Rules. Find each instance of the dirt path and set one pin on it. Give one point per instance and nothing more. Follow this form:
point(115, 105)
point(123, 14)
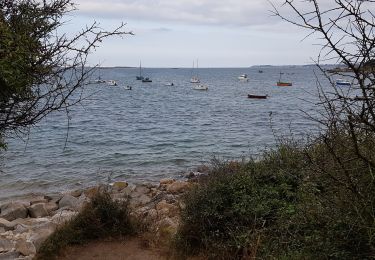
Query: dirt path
point(130, 249)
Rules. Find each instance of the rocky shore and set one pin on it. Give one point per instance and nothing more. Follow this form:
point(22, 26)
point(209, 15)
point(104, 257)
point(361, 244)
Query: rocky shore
point(25, 224)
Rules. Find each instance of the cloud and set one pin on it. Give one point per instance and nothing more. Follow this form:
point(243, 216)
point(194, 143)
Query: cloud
point(190, 12)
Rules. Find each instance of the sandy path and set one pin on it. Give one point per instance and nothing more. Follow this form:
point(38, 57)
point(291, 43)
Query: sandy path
point(131, 249)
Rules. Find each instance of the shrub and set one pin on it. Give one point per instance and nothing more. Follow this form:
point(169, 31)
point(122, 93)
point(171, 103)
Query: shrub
point(229, 214)
point(101, 218)
point(298, 202)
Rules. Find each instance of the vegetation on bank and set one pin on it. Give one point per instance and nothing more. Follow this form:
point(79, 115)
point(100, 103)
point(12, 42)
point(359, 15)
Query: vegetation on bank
point(101, 218)
point(312, 201)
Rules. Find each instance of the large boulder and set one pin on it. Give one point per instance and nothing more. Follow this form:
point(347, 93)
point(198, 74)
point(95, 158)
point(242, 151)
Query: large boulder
point(13, 210)
point(38, 210)
point(178, 187)
point(51, 206)
point(9, 255)
point(25, 247)
point(68, 201)
point(6, 245)
point(6, 224)
point(119, 185)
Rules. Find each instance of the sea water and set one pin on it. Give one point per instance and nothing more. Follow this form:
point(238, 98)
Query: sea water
point(155, 131)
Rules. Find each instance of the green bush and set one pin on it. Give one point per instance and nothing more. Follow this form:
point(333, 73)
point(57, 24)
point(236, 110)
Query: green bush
point(229, 213)
point(314, 201)
point(101, 218)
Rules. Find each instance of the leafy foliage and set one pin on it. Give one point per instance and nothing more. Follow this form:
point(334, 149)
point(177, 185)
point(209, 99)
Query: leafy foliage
point(40, 67)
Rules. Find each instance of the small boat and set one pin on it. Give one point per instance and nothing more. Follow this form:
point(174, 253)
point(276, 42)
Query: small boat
point(343, 82)
point(169, 84)
point(243, 77)
point(97, 81)
point(200, 87)
point(140, 77)
point(260, 71)
point(195, 78)
point(282, 83)
point(128, 87)
point(146, 79)
point(111, 82)
point(257, 96)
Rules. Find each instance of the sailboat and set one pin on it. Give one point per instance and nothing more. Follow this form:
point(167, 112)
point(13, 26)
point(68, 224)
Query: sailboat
point(195, 78)
point(140, 77)
point(283, 84)
point(99, 80)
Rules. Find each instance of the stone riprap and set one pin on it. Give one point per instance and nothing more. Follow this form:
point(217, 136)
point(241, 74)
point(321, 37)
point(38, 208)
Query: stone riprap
point(25, 224)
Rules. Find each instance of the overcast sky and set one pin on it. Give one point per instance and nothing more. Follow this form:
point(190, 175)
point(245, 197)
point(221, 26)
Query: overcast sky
point(173, 33)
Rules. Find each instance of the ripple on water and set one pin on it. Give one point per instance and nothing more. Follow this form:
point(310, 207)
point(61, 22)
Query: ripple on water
point(156, 131)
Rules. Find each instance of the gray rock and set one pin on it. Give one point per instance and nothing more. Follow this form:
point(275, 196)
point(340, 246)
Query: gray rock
point(38, 238)
point(51, 206)
point(56, 197)
point(38, 210)
point(68, 201)
point(25, 247)
point(63, 216)
point(141, 189)
point(37, 199)
point(13, 210)
point(9, 255)
point(76, 193)
point(6, 224)
point(6, 245)
point(178, 187)
point(141, 200)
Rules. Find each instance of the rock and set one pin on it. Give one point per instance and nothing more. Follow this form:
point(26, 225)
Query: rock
point(6, 224)
point(119, 185)
point(138, 201)
point(2, 230)
point(141, 189)
point(166, 181)
point(25, 247)
point(38, 210)
point(9, 255)
point(56, 197)
point(178, 187)
point(68, 201)
point(13, 210)
point(91, 192)
point(51, 206)
point(38, 238)
point(37, 199)
point(76, 193)
point(6, 245)
point(63, 216)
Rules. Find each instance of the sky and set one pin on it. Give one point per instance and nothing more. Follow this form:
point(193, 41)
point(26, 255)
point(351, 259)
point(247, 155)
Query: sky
point(174, 33)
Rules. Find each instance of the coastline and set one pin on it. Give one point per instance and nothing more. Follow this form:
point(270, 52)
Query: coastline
point(25, 223)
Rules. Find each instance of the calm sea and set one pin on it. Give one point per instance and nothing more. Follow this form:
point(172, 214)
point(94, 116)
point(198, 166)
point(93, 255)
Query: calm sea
point(156, 131)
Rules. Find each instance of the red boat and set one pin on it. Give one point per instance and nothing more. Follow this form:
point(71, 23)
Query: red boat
point(284, 84)
point(257, 96)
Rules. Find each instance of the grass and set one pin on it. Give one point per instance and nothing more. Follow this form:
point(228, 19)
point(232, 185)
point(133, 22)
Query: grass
point(101, 218)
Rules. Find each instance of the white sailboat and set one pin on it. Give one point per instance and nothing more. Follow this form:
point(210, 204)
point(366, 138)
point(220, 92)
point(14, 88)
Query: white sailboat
point(195, 78)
